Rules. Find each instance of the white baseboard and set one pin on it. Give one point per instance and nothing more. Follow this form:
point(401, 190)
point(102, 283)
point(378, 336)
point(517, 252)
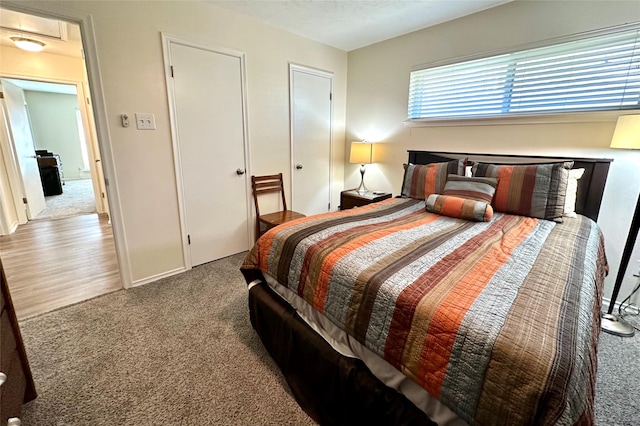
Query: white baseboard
point(606, 302)
point(9, 229)
point(153, 278)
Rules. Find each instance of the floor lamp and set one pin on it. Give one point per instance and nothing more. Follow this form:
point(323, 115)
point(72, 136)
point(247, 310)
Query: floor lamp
point(626, 136)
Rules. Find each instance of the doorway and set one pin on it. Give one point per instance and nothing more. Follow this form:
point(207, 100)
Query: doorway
point(56, 136)
point(311, 130)
point(66, 147)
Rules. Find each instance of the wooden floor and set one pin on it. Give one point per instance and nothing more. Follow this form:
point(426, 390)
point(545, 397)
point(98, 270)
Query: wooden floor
point(54, 263)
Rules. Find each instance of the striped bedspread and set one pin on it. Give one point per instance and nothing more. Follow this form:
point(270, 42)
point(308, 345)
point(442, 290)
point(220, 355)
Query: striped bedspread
point(499, 320)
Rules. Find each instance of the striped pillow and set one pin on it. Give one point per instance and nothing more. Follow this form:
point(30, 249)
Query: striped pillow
point(420, 180)
point(534, 190)
point(472, 188)
point(461, 208)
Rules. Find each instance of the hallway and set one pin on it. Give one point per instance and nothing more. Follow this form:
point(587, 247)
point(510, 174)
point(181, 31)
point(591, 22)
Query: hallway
point(54, 263)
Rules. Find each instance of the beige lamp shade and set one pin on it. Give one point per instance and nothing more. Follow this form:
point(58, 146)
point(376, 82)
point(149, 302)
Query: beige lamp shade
point(627, 133)
point(361, 153)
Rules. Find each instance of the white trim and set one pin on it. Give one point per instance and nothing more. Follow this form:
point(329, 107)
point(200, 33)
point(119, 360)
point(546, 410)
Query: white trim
point(153, 278)
point(167, 39)
point(93, 157)
point(85, 21)
point(177, 161)
point(606, 302)
point(514, 120)
point(319, 73)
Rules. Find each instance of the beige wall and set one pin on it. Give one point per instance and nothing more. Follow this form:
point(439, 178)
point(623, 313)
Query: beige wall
point(17, 63)
point(377, 104)
point(131, 65)
point(55, 128)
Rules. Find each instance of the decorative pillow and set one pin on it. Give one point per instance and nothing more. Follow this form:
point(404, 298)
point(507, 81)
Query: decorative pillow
point(473, 188)
point(534, 190)
point(461, 208)
point(572, 192)
point(421, 180)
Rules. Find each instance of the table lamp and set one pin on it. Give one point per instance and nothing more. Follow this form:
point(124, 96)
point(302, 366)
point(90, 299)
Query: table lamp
point(626, 136)
point(361, 153)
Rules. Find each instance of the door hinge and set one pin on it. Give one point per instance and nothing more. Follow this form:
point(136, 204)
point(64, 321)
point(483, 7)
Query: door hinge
point(102, 194)
point(330, 96)
point(189, 239)
point(329, 206)
point(88, 101)
point(24, 200)
point(171, 70)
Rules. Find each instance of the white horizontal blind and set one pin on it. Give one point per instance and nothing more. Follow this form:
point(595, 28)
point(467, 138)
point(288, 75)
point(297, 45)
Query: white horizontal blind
point(598, 73)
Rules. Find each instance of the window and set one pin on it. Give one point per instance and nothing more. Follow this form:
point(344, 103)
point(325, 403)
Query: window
point(592, 74)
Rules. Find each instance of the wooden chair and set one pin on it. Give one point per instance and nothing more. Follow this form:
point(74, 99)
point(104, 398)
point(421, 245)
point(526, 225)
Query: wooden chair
point(270, 184)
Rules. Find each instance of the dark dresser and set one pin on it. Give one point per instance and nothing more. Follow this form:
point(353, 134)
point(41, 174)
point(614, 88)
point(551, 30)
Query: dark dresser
point(49, 167)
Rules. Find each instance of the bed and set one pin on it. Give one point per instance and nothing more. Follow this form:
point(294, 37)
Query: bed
point(442, 306)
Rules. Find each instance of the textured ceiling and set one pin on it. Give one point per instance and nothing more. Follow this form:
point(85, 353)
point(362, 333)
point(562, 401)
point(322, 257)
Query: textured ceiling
point(351, 24)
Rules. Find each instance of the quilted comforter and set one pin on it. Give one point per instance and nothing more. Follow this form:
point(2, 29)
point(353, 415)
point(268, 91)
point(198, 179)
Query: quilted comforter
point(499, 320)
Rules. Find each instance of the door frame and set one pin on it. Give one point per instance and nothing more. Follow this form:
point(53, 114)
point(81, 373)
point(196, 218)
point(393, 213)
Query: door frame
point(318, 73)
point(87, 33)
point(11, 188)
point(167, 39)
point(94, 159)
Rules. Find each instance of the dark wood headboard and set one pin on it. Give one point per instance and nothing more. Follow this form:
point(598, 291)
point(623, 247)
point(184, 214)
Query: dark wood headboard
point(590, 186)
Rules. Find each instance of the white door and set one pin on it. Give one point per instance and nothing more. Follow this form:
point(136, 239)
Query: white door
point(18, 119)
point(210, 131)
point(311, 129)
point(88, 131)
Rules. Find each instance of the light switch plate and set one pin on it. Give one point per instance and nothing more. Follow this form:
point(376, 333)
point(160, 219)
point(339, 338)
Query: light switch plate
point(145, 121)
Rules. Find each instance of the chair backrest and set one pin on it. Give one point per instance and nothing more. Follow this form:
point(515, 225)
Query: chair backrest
point(265, 184)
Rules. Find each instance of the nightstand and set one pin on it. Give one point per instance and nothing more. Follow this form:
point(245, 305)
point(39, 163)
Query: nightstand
point(350, 198)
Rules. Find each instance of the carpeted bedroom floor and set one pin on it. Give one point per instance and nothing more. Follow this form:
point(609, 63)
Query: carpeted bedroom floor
point(77, 198)
point(181, 351)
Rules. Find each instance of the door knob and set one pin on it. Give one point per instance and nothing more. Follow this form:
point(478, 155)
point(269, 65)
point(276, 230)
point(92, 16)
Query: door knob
point(3, 378)
point(14, 421)
point(240, 172)
point(299, 166)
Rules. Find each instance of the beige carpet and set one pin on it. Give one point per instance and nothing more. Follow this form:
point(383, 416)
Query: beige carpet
point(180, 351)
point(77, 198)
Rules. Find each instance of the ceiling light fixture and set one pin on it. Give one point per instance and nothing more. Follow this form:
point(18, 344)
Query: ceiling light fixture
point(28, 44)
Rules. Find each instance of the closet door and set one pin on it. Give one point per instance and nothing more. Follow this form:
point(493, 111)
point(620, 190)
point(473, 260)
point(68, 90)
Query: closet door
point(311, 129)
point(209, 125)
